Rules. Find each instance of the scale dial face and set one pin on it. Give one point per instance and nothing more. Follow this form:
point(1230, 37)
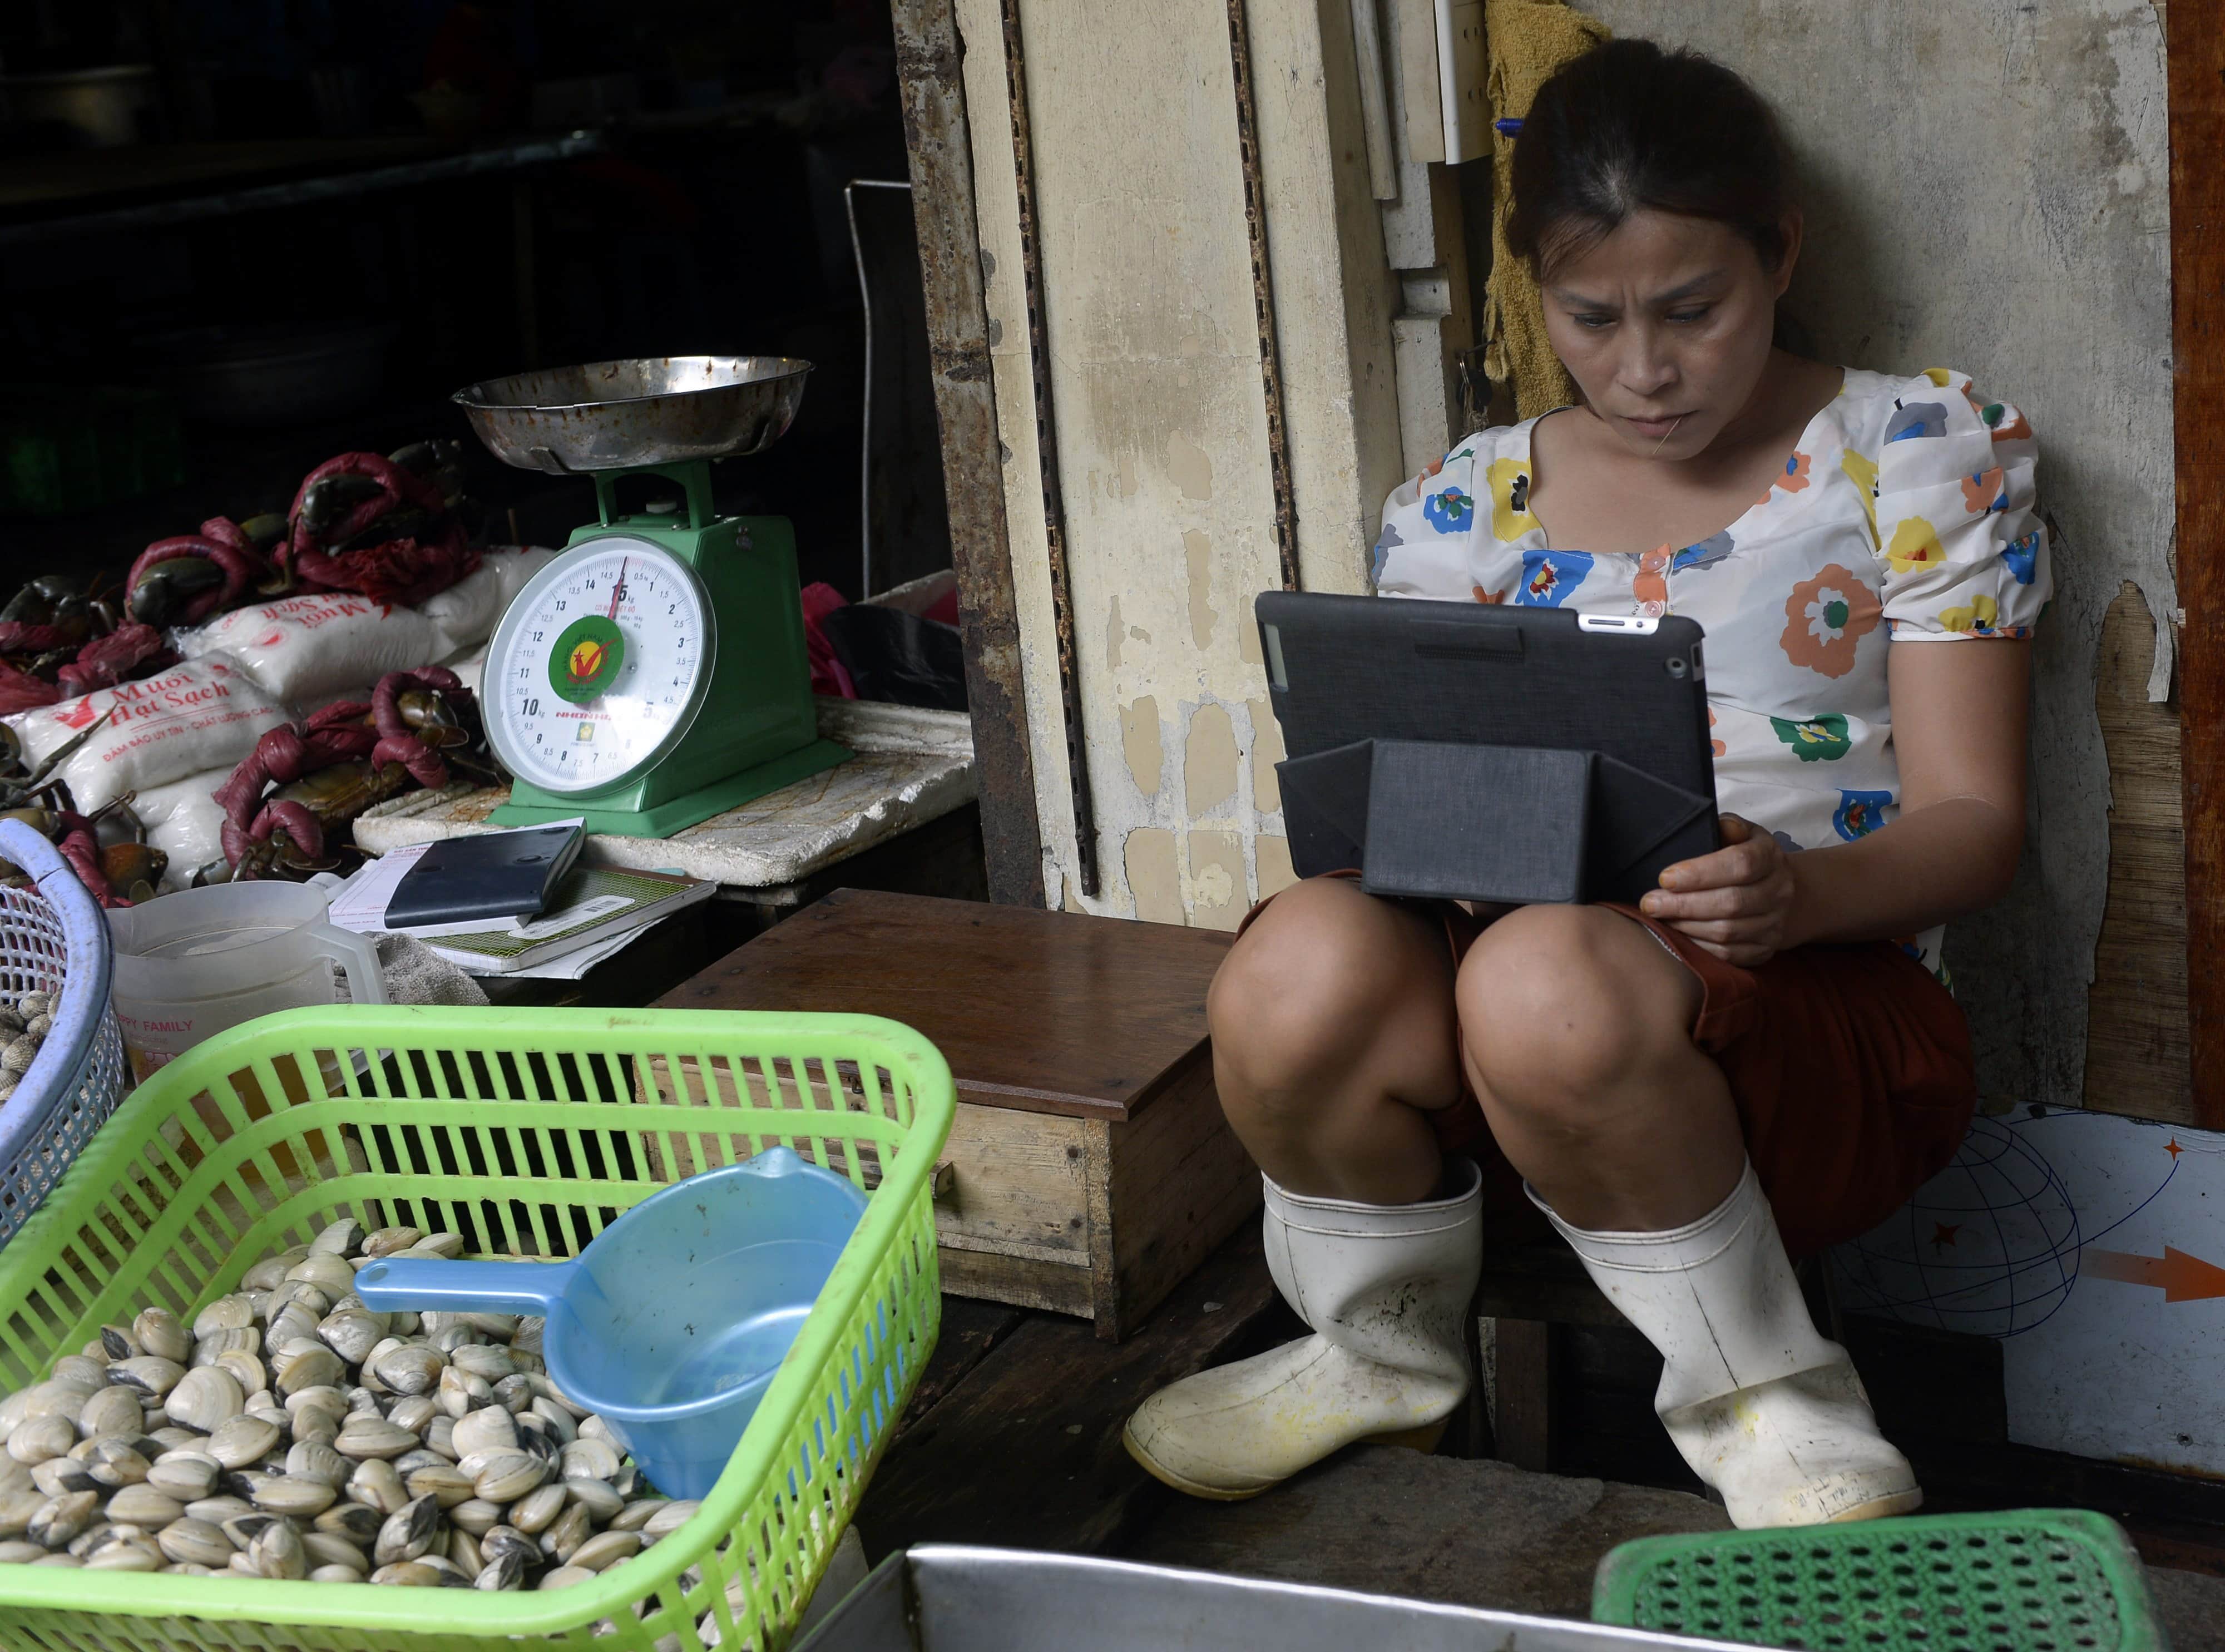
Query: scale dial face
point(599, 666)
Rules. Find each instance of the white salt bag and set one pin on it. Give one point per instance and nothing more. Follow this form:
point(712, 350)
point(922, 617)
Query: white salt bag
point(206, 713)
point(183, 821)
point(305, 651)
point(470, 669)
point(465, 614)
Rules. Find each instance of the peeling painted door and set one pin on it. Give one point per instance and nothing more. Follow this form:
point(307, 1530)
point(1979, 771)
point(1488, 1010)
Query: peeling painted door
point(1213, 350)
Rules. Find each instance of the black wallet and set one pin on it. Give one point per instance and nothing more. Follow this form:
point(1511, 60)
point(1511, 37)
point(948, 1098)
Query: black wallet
point(493, 875)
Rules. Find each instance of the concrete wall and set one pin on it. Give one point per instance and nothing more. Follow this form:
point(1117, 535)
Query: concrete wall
point(1987, 189)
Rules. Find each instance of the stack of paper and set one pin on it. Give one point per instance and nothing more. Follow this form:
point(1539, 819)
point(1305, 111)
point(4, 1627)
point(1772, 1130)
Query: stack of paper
point(595, 912)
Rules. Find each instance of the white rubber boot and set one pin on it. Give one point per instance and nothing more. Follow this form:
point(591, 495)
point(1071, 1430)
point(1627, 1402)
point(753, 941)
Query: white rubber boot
point(1385, 1288)
point(1765, 1411)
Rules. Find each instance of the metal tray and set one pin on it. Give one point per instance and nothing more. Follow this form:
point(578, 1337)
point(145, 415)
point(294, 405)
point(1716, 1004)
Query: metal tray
point(609, 415)
point(940, 1598)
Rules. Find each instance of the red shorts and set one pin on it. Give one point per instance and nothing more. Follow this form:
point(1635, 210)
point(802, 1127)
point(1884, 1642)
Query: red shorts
point(1849, 1065)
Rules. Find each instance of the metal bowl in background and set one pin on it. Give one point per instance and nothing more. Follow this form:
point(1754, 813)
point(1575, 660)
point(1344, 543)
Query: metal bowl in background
point(274, 373)
point(610, 415)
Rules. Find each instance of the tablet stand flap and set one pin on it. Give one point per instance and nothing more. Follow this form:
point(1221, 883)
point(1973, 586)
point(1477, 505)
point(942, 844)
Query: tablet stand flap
point(1635, 818)
point(1325, 807)
point(1476, 822)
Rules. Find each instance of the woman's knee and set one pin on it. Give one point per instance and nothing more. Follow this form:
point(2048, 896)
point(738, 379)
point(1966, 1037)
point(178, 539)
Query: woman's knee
point(1308, 987)
point(1560, 1005)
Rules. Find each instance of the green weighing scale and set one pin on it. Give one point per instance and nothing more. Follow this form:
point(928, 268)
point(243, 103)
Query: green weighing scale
point(654, 674)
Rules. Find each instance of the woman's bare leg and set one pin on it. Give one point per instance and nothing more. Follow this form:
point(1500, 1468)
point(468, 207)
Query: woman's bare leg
point(1333, 1038)
point(1576, 1030)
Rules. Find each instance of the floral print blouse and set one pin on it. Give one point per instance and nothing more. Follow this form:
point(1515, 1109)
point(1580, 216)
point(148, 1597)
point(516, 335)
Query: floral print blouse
point(1904, 515)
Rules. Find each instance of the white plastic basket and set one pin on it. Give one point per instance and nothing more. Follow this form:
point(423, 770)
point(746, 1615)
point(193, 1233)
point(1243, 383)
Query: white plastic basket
point(53, 937)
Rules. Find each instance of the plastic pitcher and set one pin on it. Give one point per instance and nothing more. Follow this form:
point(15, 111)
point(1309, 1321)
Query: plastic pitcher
point(673, 1323)
point(194, 963)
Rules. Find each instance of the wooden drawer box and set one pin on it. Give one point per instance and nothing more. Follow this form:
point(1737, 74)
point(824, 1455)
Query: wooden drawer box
point(1090, 1169)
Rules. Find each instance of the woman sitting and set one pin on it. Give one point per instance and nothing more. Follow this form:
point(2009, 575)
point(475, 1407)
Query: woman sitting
point(1762, 1055)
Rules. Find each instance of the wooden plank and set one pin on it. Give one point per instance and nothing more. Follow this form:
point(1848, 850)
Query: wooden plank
point(2182, 1546)
point(935, 136)
point(1093, 1017)
point(2137, 1060)
point(1374, 99)
point(1025, 1451)
point(1015, 1185)
point(1053, 1287)
point(1540, 1280)
point(971, 1331)
point(1103, 1270)
point(2196, 57)
point(1180, 1182)
point(1523, 1426)
point(1414, 26)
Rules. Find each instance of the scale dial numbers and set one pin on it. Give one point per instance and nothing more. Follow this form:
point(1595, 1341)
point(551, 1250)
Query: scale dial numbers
point(599, 666)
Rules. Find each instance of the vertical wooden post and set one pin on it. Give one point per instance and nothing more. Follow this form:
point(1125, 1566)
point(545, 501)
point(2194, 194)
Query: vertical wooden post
point(1527, 1355)
point(2196, 47)
point(933, 93)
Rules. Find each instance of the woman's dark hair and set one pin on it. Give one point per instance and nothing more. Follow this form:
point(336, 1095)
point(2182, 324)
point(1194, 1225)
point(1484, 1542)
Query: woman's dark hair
point(1628, 127)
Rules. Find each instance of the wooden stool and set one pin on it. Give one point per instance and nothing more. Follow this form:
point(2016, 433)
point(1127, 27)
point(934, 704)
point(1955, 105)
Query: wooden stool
point(1090, 1169)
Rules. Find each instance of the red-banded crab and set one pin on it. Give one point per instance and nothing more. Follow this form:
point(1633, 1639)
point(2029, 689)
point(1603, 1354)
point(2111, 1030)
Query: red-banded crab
point(59, 640)
point(108, 847)
point(397, 528)
point(288, 806)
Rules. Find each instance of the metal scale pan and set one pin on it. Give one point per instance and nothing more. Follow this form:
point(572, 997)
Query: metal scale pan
point(617, 416)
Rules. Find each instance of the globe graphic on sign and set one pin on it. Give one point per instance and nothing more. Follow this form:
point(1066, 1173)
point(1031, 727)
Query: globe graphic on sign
point(1989, 1245)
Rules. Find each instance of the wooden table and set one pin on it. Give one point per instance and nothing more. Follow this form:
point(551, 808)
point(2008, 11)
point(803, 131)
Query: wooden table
point(1090, 1168)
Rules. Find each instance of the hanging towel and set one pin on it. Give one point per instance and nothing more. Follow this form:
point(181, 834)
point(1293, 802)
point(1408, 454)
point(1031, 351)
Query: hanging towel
point(1524, 43)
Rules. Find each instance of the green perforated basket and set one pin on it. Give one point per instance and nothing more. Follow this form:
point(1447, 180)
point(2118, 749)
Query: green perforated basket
point(529, 1132)
point(2028, 1580)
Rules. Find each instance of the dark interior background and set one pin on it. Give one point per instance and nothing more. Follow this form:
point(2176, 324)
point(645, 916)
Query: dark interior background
point(711, 220)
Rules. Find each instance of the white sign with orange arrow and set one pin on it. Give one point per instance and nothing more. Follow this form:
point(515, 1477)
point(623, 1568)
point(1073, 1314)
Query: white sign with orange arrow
point(2180, 1277)
point(2093, 1246)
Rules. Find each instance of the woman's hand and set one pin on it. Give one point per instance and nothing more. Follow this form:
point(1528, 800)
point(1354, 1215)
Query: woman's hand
point(1737, 902)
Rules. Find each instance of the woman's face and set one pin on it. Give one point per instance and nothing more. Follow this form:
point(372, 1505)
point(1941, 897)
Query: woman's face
point(1665, 326)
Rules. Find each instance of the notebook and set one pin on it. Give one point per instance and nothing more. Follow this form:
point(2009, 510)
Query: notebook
point(592, 905)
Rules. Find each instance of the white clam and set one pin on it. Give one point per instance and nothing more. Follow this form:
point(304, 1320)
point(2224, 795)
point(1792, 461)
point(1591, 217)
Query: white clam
point(205, 1399)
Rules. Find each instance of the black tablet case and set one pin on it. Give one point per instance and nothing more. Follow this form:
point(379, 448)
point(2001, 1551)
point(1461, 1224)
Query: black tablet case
point(1486, 753)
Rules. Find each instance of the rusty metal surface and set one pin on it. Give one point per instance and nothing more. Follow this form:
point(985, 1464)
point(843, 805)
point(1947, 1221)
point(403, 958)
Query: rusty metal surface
point(657, 410)
point(1262, 294)
point(1061, 594)
point(934, 96)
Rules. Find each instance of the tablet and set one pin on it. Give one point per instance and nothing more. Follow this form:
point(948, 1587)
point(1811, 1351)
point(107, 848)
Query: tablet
point(1488, 753)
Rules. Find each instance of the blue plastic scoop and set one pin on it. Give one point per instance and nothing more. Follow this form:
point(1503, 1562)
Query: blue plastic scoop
point(673, 1322)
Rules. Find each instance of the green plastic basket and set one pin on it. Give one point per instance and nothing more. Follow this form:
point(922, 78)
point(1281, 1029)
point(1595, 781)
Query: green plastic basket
point(527, 1131)
point(2025, 1580)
